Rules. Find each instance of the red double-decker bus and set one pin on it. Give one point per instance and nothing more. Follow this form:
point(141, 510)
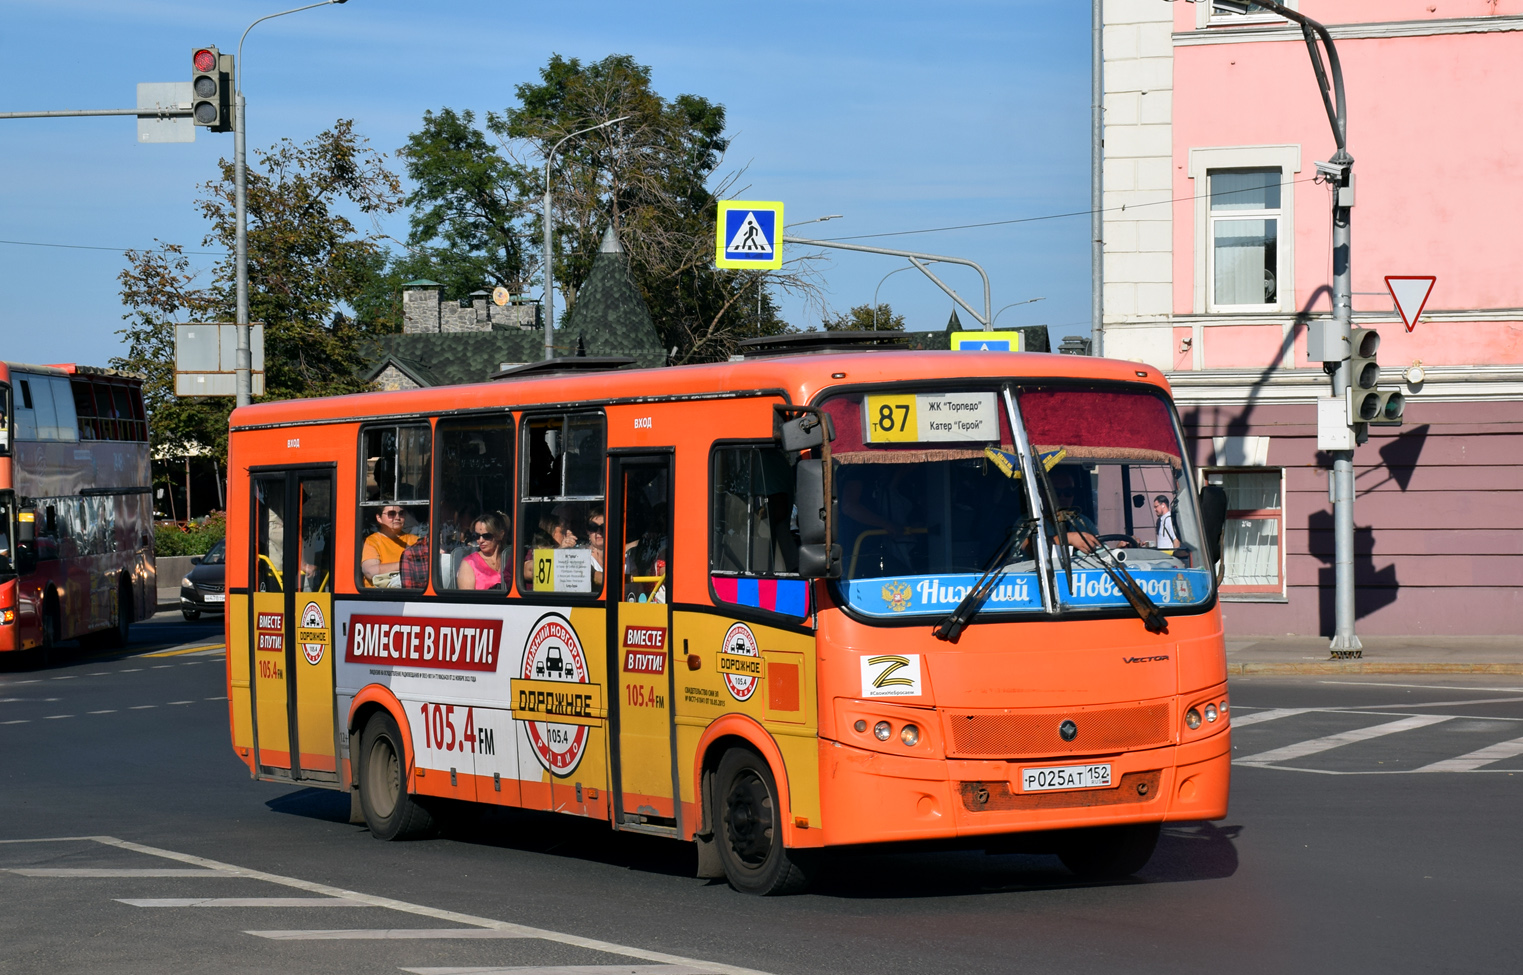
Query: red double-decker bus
point(76, 515)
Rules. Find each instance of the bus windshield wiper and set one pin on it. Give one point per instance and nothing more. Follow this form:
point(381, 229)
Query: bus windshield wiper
point(951, 627)
point(1152, 617)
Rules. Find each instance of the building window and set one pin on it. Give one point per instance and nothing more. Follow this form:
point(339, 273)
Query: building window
point(1245, 235)
point(1255, 531)
point(1220, 13)
point(753, 551)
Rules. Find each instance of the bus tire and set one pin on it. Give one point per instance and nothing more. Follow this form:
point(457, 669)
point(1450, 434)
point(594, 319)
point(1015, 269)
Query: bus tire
point(749, 831)
point(120, 634)
point(1109, 852)
point(390, 811)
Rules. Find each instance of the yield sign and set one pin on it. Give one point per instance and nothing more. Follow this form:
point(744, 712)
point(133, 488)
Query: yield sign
point(1411, 295)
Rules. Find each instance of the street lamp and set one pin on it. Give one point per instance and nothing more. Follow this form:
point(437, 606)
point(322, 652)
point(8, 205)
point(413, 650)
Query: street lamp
point(908, 267)
point(833, 216)
point(1014, 303)
point(242, 378)
point(549, 235)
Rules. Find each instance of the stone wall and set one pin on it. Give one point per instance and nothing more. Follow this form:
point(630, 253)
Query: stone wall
point(424, 311)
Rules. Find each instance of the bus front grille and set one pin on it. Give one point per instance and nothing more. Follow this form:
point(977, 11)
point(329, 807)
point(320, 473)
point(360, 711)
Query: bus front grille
point(1022, 734)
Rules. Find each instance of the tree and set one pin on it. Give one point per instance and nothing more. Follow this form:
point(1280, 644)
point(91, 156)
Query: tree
point(652, 176)
point(307, 264)
point(862, 318)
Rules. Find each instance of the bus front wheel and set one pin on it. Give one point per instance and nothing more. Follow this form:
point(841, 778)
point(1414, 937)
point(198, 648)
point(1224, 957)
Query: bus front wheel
point(390, 812)
point(749, 829)
point(1109, 852)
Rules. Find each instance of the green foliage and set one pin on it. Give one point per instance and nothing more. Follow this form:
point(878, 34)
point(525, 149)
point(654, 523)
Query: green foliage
point(196, 538)
point(653, 176)
point(863, 318)
point(306, 262)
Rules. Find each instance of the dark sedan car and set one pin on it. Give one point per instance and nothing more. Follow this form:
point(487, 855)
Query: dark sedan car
point(201, 591)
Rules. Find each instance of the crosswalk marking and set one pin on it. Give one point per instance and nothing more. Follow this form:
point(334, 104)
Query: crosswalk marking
point(119, 872)
point(1257, 717)
point(1477, 758)
point(390, 934)
point(1315, 745)
point(241, 902)
point(566, 970)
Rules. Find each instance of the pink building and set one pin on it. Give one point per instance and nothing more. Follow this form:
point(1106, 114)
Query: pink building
point(1222, 256)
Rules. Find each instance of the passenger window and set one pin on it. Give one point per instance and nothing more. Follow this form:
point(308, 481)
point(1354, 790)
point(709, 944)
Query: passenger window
point(563, 512)
point(393, 511)
point(753, 552)
point(474, 503)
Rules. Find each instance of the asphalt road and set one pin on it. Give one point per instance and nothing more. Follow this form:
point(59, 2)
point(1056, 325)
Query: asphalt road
point(1341, 853)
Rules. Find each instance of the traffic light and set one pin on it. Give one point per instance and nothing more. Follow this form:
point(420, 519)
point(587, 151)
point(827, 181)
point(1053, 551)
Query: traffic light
point(1371, 404)
point(211, 83)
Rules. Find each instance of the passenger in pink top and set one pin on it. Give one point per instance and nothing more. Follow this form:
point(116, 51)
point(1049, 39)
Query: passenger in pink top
point(482, 569)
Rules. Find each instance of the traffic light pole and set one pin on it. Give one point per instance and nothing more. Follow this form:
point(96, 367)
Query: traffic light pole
point(1339, 171)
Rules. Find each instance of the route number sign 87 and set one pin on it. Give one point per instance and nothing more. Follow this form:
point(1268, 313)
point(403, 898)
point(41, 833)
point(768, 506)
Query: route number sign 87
point(891, 418)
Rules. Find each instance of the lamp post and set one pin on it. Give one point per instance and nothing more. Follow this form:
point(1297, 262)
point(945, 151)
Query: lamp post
point(243, 379)
point(550, 231)
point(907, 267)
point(1014, 303)
point(1339, 171)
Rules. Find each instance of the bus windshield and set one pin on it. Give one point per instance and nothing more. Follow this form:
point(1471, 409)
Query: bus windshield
point(930, 490)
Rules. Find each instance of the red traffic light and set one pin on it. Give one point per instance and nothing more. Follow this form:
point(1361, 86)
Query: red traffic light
point(205, 60)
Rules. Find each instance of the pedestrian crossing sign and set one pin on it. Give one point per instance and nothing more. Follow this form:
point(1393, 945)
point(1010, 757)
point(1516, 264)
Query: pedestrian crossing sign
point(748, 234)
point(979, 341)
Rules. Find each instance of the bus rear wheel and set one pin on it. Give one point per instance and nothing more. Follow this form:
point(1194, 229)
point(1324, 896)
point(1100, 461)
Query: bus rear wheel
point(1109, 852)
point(390, 812)
point(749, 829)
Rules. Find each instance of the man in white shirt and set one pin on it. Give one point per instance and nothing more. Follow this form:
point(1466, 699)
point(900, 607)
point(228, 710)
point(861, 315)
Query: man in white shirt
point(1168, 537)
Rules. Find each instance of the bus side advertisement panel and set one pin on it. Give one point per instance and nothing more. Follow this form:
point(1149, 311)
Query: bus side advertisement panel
point(512, 698)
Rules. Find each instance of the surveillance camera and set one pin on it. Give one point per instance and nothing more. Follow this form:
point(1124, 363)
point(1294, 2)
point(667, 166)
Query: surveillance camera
point(1330, 170)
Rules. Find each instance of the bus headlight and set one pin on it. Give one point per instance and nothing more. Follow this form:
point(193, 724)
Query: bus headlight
point(1210, 712)
point(882, 730)
point(1192, 719)
point(910, 735)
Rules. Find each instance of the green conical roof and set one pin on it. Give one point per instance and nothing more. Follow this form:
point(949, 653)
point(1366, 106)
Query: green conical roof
point(610, 317)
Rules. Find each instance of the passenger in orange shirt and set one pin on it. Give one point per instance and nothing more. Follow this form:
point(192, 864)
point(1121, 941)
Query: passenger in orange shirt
point(381, 556)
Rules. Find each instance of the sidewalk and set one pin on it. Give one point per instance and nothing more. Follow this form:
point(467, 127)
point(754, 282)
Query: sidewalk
point(1382, 655)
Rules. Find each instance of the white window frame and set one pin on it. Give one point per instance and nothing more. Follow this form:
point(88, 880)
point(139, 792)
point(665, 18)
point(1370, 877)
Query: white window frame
point(1241, 593)
point(1206, 15)
point(1287, 159)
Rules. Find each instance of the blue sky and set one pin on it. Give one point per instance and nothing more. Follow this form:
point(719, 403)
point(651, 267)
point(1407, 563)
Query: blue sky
point(899, 115)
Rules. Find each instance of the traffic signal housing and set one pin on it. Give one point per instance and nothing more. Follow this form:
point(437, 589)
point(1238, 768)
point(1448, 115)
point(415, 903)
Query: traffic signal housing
point(211, 84)
point(1382, 407)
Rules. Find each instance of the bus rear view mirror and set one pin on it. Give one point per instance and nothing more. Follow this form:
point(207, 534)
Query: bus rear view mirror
point(26, 527)
point(1213, 518)
point(803, 432)
point(819, 558)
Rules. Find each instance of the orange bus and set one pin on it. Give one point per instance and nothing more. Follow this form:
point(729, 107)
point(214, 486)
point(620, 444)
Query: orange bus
point(620, 593)
point(76, 518)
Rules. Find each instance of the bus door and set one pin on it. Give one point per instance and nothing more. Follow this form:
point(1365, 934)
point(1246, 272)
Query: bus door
point(639, 645)
point(292, 645)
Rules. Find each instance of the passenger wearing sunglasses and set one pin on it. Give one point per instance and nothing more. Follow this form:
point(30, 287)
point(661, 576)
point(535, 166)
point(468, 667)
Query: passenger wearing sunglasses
point(482, 569)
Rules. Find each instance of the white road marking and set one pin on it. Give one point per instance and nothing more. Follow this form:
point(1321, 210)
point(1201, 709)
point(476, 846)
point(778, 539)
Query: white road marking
point(65, 677)
point(18, 721)
point(100, 673)
point(1243, 720)
point(55, 717)
point(142, 707)
point(1311, 747)
point(119, 872)
point(162, 666)
point(217, 868)
point(107, 711)
point(240, 902)
point(219, 697)
point(131, 670)
point(1477, 758)
point(391, 934)
point(1426, 687)
point(566, 970)
point(1435, 704)
point(182, 702)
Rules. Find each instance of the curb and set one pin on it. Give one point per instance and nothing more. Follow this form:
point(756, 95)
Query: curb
point(1370, 667)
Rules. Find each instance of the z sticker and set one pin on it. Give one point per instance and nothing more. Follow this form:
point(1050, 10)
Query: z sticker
point(891, 675)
